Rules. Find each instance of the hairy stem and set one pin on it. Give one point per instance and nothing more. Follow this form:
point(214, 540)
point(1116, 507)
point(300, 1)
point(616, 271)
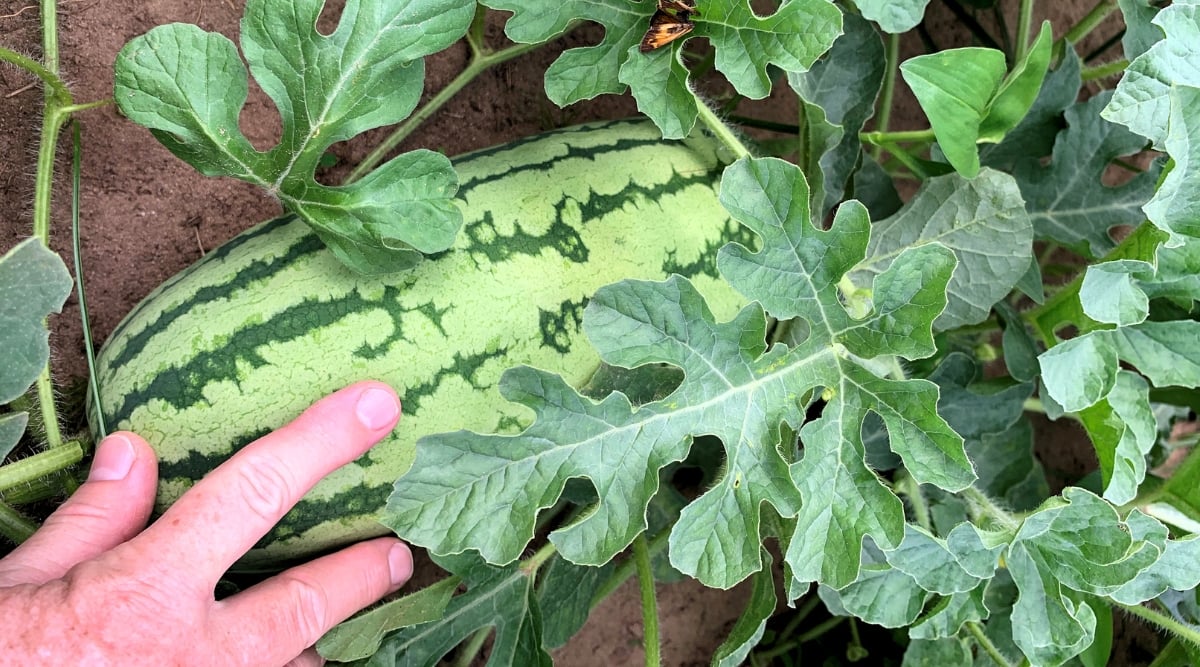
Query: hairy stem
point(39, 465)
point(986, 644)
point(891, 65)
point(641, 556)
point(1104, 71)
point(1166, 622)
point(14, 526)
point(721, 130)
point(880, 138)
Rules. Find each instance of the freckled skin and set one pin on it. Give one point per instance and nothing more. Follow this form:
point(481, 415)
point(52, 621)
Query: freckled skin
point(93, 588)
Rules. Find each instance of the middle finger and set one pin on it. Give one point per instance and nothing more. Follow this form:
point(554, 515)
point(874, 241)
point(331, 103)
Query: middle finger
point(224, 514)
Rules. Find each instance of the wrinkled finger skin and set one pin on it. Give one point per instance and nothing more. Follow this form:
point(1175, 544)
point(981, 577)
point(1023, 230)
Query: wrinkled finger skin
point(92, 588)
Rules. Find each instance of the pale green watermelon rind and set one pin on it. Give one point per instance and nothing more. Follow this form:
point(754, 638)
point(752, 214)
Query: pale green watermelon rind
point(197, 368)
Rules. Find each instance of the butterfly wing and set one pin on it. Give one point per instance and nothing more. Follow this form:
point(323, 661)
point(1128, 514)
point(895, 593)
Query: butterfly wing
point(664, 29)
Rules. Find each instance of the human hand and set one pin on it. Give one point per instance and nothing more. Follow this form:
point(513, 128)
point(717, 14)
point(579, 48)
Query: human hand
point(92, 588)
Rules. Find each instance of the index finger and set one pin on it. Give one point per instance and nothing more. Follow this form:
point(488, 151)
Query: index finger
point(219, 519)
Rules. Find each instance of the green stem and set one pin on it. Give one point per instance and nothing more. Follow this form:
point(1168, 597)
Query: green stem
point(782, 128)
point(880, 138)
point(1085, 25)
point(984, 509)
point(14, 526)
point(909, 487)
point(478, 65)
point(641, 555)
point(986, 644)
point(626, 569)
point(1024, 21)
point(39, 465)
point(801, 613)
point(45, 391)
point(891, 66)
point(466, 655)
point(1182, 631)
point(821, 629)
point(721, 130)
point(48, 77)
point(539, 558)
point(907, 160)
point(49, 15)
point(1105, 71)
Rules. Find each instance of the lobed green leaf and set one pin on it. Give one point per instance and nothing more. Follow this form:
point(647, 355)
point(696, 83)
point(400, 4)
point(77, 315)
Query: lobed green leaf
point(188, 86)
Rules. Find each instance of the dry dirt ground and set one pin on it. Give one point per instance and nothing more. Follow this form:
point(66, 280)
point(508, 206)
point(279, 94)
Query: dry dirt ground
point(146, 215)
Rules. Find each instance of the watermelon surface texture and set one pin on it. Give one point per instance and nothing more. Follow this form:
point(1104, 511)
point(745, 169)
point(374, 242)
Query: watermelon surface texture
point(242, 341)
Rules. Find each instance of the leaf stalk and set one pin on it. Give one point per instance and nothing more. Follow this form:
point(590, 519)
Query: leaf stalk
point(479, 63)
point(641, 556)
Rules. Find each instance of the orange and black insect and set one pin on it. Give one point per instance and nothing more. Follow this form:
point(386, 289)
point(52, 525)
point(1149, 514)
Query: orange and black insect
point(665, 26)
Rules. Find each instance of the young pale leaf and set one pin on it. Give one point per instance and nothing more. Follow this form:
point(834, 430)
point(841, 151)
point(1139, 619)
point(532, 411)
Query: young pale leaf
point(33, 283)
point(954, 88)
point(1076, 544)
point(956, 565)
point(1067, 199)
point(751, 625)
point(1141, 101)
point(1110, 294)
point(982, 220)
point(1080, 371)
point(1123, 430)
point(894, 16)
point(733, 388)
point(1175, 208)
point(188, 86)
point(1175, 569)
point(502, 598)
point(880, 594)
point(841, 87)
point(361, 636)
point(1012, 101)
point(946, 652)
point(1140, 31)
point(947, 617)
point(1034, 135)
point(1178, 274)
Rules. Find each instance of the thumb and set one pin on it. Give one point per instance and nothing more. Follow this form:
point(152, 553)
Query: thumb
point(111, 507)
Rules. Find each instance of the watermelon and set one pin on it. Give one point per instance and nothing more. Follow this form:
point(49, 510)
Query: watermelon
point(246, 338)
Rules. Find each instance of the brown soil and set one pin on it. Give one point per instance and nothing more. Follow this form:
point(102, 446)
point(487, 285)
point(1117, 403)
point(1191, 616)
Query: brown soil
point(146, 214)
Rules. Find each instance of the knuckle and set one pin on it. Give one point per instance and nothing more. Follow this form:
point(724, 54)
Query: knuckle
point(266, 487)
point(308, 605)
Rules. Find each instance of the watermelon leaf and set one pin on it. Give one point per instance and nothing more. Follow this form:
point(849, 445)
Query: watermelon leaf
point(1141, 100)
point(1067, 199)
point(735, 388)
point(33, 283)
point(983, 221)
point(188, 86)
point(894, 16)
point(499, 597)
point(361, 636)
point(745, 44)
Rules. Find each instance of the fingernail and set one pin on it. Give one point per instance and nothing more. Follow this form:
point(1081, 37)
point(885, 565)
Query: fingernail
point(377, 409)
point(114, 458)
point(400, 564)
